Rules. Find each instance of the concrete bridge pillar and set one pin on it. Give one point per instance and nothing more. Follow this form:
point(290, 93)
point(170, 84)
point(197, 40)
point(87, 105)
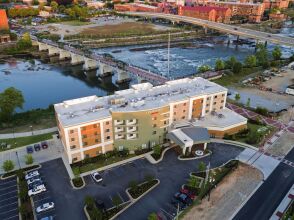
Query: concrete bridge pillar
point(205, 30)
point(53, 50)
point(123, 77)
point(105, 70)
point(90, 64)
point(64, 54)
point(42, 47)
point(265, 44)
point(76, 59)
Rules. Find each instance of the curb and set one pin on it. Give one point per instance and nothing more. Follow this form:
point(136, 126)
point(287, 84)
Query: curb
point(234, 143)
point(161, 157)
point(33, 208)
point(74, 187)
point(194, 158)
point(86, 213)
point(14, 175)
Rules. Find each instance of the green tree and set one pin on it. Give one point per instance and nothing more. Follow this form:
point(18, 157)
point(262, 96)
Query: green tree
point(61, 8)
point(237, 67)
point(193, 182)
point(201, 166)
point(25, 42)
point(29, 159)
point(277, 53)
point(230, 62)
point(89, 202)
point(133, 184)
point(262, 56)
point(219, 65)
point(250, 61)
point(204, 68)
point(152, 216)
point(157, 149)
point(237, 97)
point(248, 102)
point(116, 200)
point(8, 165)
point(10, 99)
point(54, 6)
point(96, 214)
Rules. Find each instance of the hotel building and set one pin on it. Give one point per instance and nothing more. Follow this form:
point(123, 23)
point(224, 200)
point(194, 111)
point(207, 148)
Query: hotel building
point(142, 116)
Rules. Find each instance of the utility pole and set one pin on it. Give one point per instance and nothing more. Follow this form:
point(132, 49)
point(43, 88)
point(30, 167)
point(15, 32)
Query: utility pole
point(168, 52)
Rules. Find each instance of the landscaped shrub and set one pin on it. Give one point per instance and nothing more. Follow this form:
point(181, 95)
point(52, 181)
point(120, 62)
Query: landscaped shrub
point(77, 182)
point(137, 191)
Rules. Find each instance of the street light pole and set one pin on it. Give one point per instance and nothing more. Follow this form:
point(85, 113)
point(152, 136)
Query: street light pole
point(17, 159)
point(32, 130)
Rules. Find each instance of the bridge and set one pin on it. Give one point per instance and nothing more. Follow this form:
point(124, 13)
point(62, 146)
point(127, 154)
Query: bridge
point(226, 28)
point(93, 61)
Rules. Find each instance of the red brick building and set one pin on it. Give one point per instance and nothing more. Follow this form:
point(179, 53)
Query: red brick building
point(216, 14)
point(281, 4)
point(3, 20)
point(252, 11)
point(136, 7)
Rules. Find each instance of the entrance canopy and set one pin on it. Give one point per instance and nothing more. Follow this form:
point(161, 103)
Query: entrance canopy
point(186, 137)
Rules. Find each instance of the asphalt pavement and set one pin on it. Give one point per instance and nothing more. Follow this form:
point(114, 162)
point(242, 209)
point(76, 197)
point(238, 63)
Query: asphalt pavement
point(269, 195)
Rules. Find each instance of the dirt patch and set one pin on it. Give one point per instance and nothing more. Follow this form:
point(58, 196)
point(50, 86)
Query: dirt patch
point(127, 29)
point(228, 195)
point(280, 83)
point(283, 145)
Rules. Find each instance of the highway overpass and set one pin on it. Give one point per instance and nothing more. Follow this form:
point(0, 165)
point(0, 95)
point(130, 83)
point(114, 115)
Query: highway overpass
point(225, 28)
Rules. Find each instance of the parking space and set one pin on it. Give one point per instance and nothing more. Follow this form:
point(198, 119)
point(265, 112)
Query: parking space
point(8, 199)
point(44, 197)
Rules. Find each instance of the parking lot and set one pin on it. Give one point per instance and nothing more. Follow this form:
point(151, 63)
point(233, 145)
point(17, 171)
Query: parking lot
point(44, 197)
point(171, 172)
point(8, 199)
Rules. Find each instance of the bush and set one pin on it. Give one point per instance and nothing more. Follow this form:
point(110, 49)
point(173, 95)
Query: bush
point(8, 165)
point(29, 159)
point(201, 166)
point(262, 111)
point(77, 182)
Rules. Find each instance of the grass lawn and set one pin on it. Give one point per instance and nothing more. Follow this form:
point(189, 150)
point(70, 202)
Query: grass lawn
point(23, 141)
point(76, 23)
point(100, 163)
point(236, 78)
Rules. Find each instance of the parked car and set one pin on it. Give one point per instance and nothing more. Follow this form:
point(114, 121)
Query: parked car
point(33, 179)
point(30, 149)
point(96, 176)
point(37, 190)
point(178, 204)
point(188, 193)
point(44, 144)
point(32, 174)
point(183, 198)
point(35, 184)
point(47, 218)
point(37, 147)
point(44, 207)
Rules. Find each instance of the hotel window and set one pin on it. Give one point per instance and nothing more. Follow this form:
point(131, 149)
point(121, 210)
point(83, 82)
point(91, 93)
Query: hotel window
point(144, 146)
point(94, 126)
point(87, 155)
point(207, 105)
point(206, 111)
point(97, 140)
point(71, 131)
point(165, 122)
point(107, 130)
point(85, 143)
point(83, 128)
point(72, 146)
point(214, 103)
point(185, 104)
point(175, 106)
point(215, 96)
point(74, 159)
point(222, 101)
point(154, 118)
point(183, 117)
point(221, 107)
point(223, 95)
point(208, 98)
point(72, 139)
point(120, 148)
point(84, 136)
point(95, 133)
point(154, 125)
point(108, 138)
point(175, 113)
point(184, 111)
point(154, 132)
point(107, 123)
point(201, 100)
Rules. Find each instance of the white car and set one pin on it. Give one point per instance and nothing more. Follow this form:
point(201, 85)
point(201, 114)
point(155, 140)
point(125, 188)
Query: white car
point(37, 190)
point(32, 174)
point(96, 177)
point(44, 207)
point(33, 179)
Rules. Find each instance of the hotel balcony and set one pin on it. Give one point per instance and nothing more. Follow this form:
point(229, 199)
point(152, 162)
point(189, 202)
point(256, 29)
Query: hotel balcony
point(119, 136)
point(119, 122)
point(131, 122)
point(118, 129)
point(131, 136)
point(131, 129)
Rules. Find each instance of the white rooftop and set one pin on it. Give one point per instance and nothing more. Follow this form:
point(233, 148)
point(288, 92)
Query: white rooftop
point(220, 119)
point(139, 97)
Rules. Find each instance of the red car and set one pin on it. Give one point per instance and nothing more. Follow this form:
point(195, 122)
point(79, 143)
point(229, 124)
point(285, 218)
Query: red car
point(188, 193)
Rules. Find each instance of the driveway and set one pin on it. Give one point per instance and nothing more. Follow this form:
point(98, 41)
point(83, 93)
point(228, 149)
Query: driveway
point(171, 172)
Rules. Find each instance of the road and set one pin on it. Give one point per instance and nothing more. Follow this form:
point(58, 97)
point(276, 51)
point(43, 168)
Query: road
point(225, 28)
point(267, 198)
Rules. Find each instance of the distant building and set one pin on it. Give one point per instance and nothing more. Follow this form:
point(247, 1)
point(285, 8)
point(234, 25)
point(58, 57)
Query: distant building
point(136, 7)
point(252, 11)
point(277, 16)
point(95, 4)
point(44, 14)
point(216, 14)
point(4, 38)
point(3, 20)
point(281, 4)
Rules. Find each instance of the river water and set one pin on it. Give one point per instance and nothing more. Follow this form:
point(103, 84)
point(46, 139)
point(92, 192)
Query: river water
point(44, 83)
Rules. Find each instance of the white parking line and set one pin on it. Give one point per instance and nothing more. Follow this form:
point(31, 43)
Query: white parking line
point(42, 199)
point(8, 198)
point(170, 215)
point(8, 204)
point(11, 210)
point(8, 187)
point(7, 182)
point(121, 197)
point(8, 192)
point(12, 217)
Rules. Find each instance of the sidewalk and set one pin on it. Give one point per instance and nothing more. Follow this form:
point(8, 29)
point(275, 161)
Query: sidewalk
point(27, 134)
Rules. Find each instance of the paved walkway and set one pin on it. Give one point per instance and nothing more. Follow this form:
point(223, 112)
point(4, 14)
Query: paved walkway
point(252, 115)
point(27, 134)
